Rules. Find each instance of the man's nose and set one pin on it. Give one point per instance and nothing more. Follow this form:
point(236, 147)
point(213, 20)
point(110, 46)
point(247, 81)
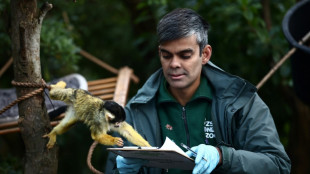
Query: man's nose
point(175, 62)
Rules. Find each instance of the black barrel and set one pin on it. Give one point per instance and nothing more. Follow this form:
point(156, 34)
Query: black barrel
point(295, 25)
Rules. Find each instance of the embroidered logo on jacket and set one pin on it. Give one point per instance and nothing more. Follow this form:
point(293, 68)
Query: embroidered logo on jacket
point(169, 127)
point(208, 129)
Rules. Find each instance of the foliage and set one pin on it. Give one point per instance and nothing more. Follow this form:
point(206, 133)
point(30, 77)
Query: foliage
point(10, 165)
point(58, 50)
point(123, 33)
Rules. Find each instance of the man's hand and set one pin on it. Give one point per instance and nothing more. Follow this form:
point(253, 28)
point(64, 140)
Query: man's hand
point(129, 165)
point(207, 158)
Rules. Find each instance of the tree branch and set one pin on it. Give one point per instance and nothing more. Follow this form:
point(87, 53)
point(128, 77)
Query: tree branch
point(43, 10)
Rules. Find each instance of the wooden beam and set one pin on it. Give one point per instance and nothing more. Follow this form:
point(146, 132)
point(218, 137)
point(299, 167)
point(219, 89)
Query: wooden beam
point(101, 81)
point(105, 65)
point(6, 66)
point(122, 85)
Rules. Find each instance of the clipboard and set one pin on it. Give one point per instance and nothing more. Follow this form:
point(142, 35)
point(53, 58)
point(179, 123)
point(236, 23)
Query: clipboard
point(168, 156)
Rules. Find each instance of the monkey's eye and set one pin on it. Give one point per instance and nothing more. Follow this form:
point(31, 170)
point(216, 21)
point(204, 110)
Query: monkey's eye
point(117, 124)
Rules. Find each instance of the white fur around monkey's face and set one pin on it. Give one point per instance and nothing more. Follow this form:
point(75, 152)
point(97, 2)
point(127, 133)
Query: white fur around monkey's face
point(116, 113)
point(110, 117)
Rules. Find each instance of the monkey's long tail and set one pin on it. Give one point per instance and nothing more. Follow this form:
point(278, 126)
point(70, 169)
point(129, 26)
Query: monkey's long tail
point(90, 153)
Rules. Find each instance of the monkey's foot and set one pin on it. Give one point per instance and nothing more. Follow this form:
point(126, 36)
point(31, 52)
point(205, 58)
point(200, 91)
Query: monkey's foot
point(60, 84)
point(52, 140)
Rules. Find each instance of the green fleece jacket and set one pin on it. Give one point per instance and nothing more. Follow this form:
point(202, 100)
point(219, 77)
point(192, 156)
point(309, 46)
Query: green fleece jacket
point(242, 123)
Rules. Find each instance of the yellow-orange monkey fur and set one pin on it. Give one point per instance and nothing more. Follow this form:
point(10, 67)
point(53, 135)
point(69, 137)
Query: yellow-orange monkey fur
point(101, 117)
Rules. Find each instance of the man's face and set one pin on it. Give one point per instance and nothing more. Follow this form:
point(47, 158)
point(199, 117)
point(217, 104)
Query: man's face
point(182, 63)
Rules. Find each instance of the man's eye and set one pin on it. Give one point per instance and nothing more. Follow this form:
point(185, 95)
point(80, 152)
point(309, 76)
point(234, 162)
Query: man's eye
point(166, 56)
point(186, 56)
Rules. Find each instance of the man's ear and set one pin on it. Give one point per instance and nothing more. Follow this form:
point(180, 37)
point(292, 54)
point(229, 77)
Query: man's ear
point(206, 54)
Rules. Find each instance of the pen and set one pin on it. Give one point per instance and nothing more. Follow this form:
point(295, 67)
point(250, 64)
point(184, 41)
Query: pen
point(186, 147)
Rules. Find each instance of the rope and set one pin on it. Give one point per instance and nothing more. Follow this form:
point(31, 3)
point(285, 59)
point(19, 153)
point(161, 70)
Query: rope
point(38, 91)
point(33, 93)
point(31, 85)
point(90, 153)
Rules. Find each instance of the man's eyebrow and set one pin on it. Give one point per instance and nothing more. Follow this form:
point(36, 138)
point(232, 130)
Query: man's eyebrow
point(163, 50)
point(188, 50)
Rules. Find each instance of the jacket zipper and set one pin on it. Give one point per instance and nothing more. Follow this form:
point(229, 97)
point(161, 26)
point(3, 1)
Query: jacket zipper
point(186, 126)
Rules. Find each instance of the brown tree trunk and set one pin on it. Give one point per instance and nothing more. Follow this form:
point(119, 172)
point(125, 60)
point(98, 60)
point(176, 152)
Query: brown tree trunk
point(266, 13)
point(26, 21)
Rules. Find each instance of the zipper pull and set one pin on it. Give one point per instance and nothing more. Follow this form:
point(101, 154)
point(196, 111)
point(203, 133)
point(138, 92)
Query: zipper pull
point(183, 112)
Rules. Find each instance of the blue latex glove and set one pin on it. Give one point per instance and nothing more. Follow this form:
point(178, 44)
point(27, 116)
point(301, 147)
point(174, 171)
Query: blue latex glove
point(129, 165)
point(208, 152)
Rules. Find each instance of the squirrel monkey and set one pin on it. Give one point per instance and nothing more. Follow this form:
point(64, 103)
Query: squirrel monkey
point(101, 117)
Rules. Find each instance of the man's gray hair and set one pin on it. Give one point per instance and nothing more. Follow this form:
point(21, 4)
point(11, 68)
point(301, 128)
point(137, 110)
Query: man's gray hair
point(180, 23)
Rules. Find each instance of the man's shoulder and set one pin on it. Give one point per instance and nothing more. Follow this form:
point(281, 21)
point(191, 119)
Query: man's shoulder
point(226, 85)
point(149, 89)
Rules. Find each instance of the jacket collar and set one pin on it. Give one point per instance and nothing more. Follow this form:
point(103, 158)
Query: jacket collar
point(149, 89)
point(224, 85)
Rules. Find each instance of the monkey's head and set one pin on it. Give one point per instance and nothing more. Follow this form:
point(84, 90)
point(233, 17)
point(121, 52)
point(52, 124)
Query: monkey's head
point(114, 112)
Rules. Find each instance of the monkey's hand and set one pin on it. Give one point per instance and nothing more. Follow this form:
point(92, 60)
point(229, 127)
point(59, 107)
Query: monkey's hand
point(131, 135)
point(60, 84)
point(118, 141)
point(108, 140)
point(52, 140)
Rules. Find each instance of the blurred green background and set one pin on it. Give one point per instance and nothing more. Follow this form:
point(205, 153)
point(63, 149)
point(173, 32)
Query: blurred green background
point(246, 37)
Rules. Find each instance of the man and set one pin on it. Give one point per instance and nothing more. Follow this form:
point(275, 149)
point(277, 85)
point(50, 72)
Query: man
point(192, 101)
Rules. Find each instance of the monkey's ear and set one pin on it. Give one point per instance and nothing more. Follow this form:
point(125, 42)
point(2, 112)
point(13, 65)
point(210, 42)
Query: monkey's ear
point(108, 115)
point(116, 110)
